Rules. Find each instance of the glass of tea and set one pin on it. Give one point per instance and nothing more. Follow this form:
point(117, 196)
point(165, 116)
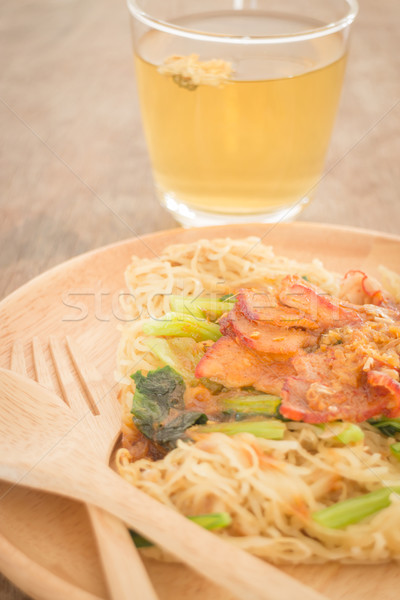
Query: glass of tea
point(238, 99)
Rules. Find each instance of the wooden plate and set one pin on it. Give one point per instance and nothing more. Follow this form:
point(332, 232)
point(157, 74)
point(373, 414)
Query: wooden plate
point(46, 544)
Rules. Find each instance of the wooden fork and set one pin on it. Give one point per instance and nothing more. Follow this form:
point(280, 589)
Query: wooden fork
point(44, 446)
point(124, 570)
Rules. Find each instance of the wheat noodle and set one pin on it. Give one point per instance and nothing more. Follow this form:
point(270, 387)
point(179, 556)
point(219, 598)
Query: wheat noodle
point(269, 488)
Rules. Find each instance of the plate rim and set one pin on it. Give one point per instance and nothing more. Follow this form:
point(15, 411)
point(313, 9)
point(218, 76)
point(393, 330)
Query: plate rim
point(180, 231)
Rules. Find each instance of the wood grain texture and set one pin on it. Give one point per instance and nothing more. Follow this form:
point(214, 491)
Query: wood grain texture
point(67, 81)
point(121, 562)
point(43, 444)
point(67, 75)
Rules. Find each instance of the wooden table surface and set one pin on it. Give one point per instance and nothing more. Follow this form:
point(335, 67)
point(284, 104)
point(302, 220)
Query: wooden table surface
point(75, 174)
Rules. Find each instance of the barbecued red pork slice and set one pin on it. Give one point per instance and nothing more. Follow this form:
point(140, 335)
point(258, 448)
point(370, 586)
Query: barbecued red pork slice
point(389, 388)
point(235, 366)
point(260, 305)
point(313, 366)
point(317, 403)
point(326, 311)
point(263, 337)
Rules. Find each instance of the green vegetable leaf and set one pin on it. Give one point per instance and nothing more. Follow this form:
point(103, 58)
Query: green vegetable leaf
point(139, 540)
point(157, 391)
point(182, 354)
point(388, 427)
point(156, 394)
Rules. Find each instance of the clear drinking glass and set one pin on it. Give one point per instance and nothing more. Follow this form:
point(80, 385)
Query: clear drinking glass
point(238, 99)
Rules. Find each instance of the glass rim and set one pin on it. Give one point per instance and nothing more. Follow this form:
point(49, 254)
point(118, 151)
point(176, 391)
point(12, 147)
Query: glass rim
point(170, 28)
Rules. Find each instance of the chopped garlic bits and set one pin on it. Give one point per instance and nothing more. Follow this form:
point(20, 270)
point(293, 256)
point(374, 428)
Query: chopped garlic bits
point(190, 72)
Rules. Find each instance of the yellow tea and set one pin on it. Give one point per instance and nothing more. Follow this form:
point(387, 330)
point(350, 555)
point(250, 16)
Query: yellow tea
point(254, 144)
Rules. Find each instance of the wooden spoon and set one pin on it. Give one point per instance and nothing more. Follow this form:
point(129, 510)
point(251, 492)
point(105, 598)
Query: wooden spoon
point(42, 446)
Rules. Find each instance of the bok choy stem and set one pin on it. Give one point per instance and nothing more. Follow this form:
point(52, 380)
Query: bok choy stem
point(395, 450)
point(198, 307)
point(351, 434)
point(209, 521)
point(269, 429)
point(182, 325)
point(263, 404)
point(354, 510)
point(347, 433)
